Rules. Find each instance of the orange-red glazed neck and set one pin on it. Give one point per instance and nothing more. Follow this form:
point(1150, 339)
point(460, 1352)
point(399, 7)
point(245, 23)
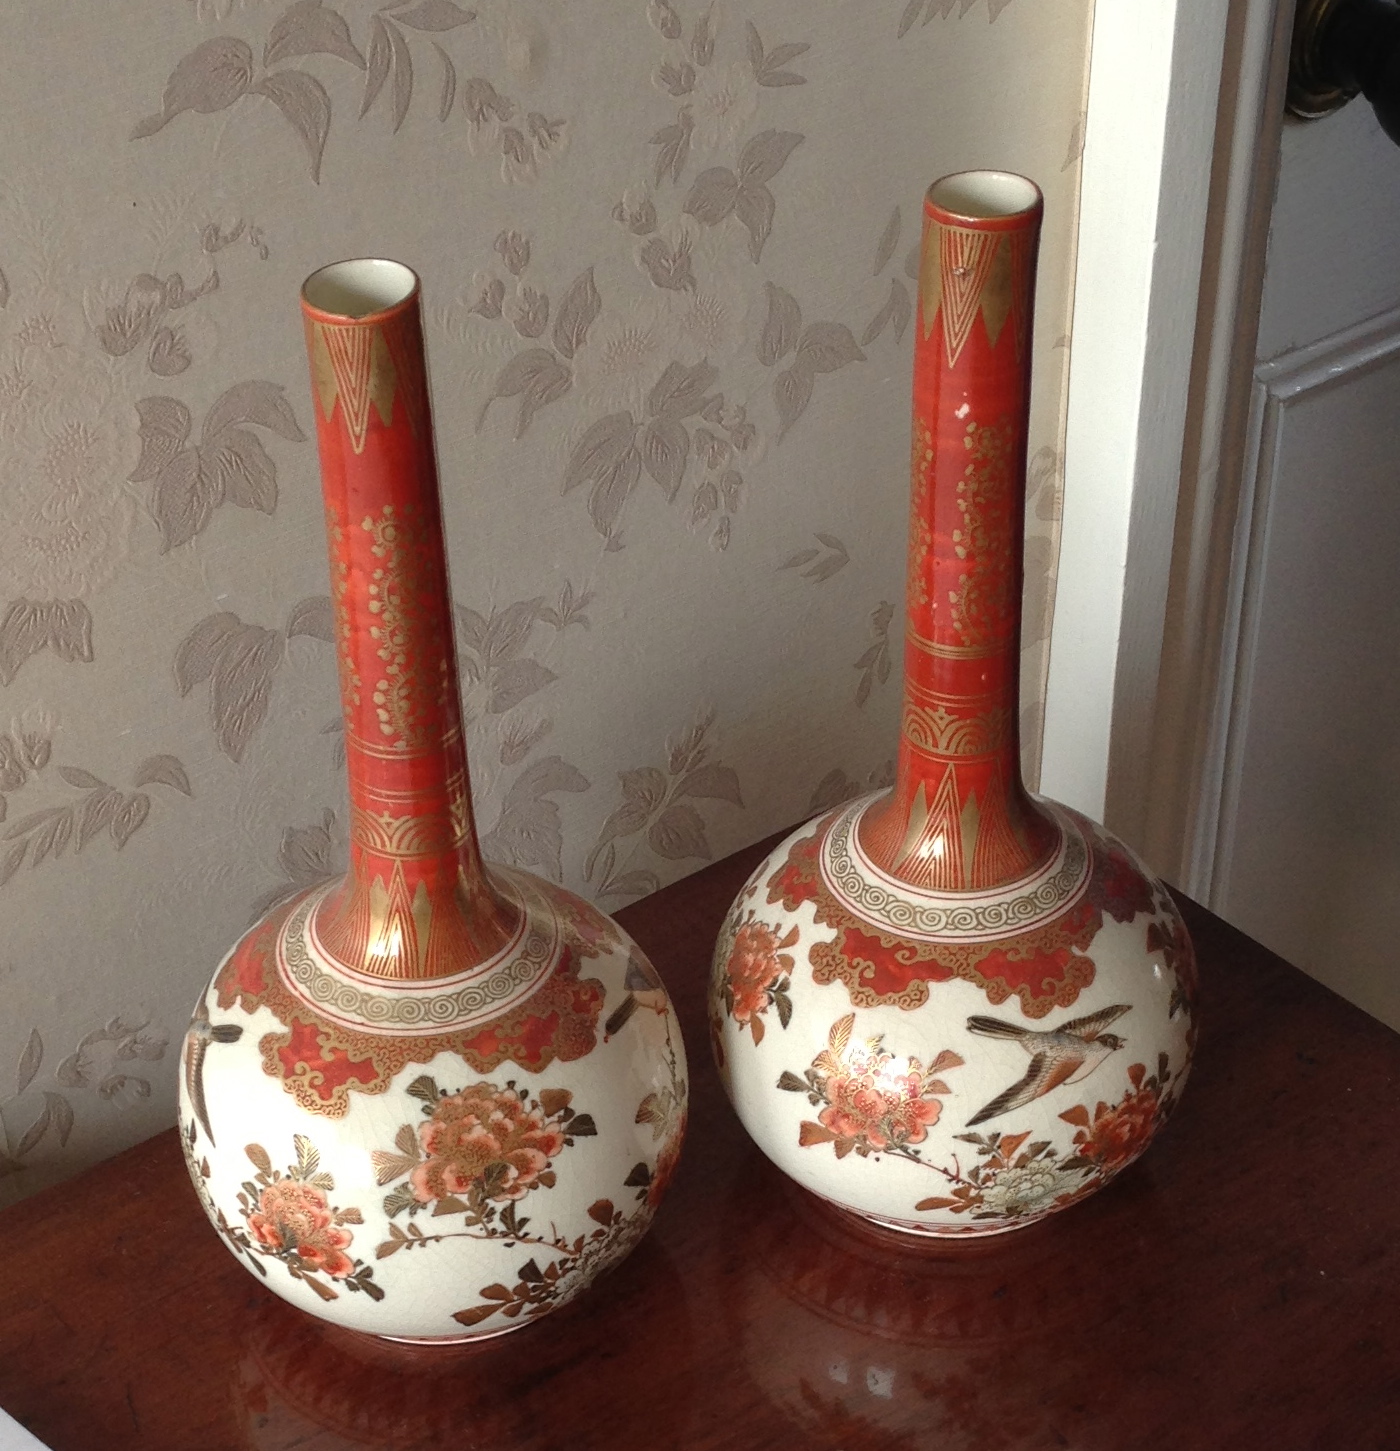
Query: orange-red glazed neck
point(959, 817)
point(416, 903)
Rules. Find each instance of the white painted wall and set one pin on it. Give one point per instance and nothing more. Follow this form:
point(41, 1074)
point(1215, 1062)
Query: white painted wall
point(1150, 137)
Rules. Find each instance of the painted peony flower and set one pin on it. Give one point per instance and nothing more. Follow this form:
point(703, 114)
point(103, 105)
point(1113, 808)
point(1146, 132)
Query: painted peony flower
point(1014, 1192)
point(484, 1135)
point(293, 1217)
point(879, 1108)
point(755, 965)
point(1121, 1132)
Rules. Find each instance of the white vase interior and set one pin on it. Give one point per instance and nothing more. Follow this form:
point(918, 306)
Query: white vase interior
point(983, 195)
point(359, 287)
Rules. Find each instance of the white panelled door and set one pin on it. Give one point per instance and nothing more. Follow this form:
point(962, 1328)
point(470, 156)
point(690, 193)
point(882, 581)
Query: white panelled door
point(1306, 851)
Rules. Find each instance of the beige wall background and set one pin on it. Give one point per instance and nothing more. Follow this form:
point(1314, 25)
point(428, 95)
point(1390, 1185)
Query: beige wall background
point(599, 195)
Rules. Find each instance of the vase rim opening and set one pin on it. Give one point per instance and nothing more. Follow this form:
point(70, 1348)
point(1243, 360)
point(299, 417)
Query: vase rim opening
point(984, 196)
point(359, 287)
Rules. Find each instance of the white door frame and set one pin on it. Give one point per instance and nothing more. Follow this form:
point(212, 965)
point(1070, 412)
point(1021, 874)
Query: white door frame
point(1185, 101)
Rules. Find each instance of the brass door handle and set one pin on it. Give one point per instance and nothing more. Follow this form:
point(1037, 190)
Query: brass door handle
point(1342, 48)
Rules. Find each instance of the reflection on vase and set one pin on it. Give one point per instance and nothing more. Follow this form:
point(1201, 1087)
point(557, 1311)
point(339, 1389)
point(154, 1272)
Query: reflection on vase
point(300, 1383)
point(867, 1341)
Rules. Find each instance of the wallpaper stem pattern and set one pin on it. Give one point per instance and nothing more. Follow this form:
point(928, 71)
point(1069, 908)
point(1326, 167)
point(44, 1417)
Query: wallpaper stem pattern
point(669, 261)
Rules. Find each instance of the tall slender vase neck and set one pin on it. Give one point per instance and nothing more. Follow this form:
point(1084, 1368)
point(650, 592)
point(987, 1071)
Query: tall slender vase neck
point(416, 903)
point(959, 817)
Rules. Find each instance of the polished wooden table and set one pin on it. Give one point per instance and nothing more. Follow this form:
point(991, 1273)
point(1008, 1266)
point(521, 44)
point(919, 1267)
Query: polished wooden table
point(1239, 1287)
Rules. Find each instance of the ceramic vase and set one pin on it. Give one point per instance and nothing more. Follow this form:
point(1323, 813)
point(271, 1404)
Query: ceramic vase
point(435, 1099)
point(954, 1007)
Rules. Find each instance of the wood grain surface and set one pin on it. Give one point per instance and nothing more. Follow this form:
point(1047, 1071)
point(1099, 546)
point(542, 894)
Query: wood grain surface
point(1237, 1288)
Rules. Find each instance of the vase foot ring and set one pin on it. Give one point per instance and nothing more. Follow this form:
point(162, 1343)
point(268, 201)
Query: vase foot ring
point(926, 1233)
point(450, 1341)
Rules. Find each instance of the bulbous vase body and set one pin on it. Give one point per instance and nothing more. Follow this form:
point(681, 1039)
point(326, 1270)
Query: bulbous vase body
point(436, 1099)
point(945, 1064)
point(955, 1007)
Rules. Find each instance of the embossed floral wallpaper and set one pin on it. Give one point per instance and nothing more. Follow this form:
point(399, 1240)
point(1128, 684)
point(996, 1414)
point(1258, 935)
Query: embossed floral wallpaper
point(667, 251)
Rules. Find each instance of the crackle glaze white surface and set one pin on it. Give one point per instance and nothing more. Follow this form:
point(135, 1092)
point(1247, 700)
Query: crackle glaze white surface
point(902, 1055)
point(463, 1194)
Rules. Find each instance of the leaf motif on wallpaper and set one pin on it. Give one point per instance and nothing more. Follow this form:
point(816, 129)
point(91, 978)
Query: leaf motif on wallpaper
point(667, 265)
point(29, 1061)
point(228, 464)
point(389, 55)
point(1044, 488)
point(537, 378)
point(483, 103)
point(1076, 142)
point(606, 458)
point(213, 238)
point(531, 315)
point(898, 309)
point(613, 454)
point(101, 808)
point(4, 289)
point(513, 248)
point(836, 787)
point(490, 648)
point(22, 756)
point(889, 240)
point(170, 353)
point(820, 347)
point(311, 28)
point(239, 662)
point(302, 99)
point(139, 318)
point(103, 1073)
point(610, 458)
point(662, 15)
point(637, 214)
point(676, 78)
point(1039, 589)
point(219, 73)
point(528, 832)
point(448, 92)
point(674, 144)
point(820, 564)
point(578, 310)
point(63, 627)
point(768, 66)
point(718, 193)
point(702, 40)
point(210, 78)
point(657, 811)
point(932, 8)
point(520, 738)
point(309, 857)
point(490, 300)
point(874, 662)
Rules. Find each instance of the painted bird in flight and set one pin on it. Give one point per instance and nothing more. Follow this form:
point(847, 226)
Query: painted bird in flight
point(202, 1033)
point(1067, 1054)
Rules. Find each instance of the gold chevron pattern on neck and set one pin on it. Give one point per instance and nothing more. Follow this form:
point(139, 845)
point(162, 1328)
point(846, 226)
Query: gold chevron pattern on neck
point(354, 365)
point(964, 271)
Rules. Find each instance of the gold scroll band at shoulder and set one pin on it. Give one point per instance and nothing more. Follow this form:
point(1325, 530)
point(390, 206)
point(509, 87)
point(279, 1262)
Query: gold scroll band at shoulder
point(964, 270)
point(934, 916)
point(486, 992)
point(939, 732)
